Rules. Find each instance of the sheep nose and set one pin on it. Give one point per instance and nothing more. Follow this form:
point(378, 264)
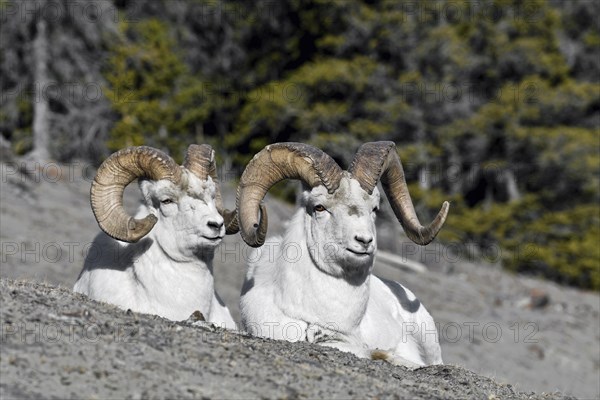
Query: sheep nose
point(364, 238)
point(215, 224)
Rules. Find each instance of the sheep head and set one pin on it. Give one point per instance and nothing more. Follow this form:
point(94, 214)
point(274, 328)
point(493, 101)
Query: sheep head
point(183, 202)
point(340, 228)
point(341, 203)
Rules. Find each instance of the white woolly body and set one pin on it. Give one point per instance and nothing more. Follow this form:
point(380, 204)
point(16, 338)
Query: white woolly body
point(308, 286)
point(169, 271)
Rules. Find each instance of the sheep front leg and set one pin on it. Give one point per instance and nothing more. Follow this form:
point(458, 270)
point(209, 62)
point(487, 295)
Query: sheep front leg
point(338, 340)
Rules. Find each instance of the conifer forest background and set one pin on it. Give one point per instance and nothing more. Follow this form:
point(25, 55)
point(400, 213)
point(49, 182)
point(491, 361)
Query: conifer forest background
point(493, 104)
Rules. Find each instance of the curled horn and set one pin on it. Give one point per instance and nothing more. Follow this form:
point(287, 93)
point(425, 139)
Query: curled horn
point(115, 173)
point(274, 163)
point(200, 160)
point(379, 160)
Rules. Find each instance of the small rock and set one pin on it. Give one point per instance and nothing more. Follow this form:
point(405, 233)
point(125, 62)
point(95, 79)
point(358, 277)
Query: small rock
point(538, 298)
point(196, 316)
point(537, 350)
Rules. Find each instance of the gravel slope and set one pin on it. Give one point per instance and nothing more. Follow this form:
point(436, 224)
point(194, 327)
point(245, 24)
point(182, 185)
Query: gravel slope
point(72, 347)
point(487, 318)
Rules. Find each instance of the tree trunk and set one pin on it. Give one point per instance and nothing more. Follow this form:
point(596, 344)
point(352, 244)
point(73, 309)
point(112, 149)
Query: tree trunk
point(41, 111)
point(512, 189)
point(423, 173)
point(424, 178)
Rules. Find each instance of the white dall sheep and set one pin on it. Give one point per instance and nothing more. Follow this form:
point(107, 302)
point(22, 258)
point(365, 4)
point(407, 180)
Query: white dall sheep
point(166, 266)
point(315, 283)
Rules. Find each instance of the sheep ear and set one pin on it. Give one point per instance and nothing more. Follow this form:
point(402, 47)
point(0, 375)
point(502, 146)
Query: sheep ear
point(145, 187)
point(302, 194)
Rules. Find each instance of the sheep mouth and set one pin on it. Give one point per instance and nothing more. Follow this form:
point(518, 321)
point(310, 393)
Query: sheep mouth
point(360, 253)
point(213, 238)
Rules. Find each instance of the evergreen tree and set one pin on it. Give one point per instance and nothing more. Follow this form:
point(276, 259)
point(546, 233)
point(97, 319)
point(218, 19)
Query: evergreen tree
point(494, 104)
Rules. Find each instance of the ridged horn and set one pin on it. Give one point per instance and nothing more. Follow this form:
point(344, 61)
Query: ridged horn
point(115, 173)
point(200, 160)
point(379, 161)
point(272, 164)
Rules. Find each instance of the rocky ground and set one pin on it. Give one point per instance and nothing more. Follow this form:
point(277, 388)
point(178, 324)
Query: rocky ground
point(57, 344)
point(525, 334)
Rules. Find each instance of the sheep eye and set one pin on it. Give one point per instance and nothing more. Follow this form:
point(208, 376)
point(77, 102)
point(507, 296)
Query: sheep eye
point(319, 208)
point(166, 201)
point(375, 209)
